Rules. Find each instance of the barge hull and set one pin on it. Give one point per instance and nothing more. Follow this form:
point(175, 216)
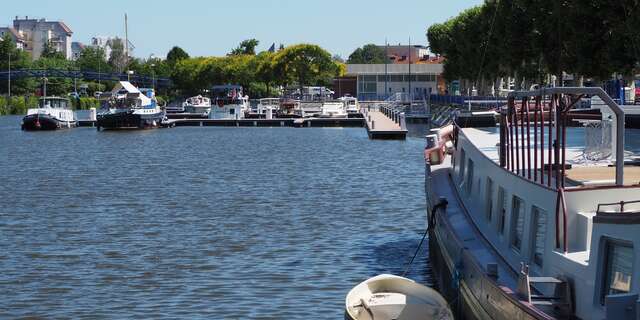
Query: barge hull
point(471, 292)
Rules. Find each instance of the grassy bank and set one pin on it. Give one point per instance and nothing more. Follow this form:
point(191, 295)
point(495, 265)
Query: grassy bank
point(19, 105)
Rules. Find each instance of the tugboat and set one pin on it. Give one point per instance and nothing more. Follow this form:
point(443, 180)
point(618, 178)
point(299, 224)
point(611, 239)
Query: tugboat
point(530, 221)
point(127, 107)
point(228, 103)
point(53, 113)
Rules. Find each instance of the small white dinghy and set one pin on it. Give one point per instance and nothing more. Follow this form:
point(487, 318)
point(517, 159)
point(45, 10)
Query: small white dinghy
point(389, 297)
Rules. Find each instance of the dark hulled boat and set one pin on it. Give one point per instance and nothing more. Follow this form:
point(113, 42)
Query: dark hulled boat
point(127, 107)
point(52, 114)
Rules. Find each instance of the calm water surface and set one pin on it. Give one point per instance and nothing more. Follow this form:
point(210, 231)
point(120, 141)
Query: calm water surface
point(202, 222)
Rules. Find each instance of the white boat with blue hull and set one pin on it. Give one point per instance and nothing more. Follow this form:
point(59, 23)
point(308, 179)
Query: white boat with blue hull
point(127, 107)
point(525, 223)
point(53, 113)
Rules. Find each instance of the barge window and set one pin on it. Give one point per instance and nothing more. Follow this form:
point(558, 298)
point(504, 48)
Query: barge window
point(469, 178)
point(502, 209)
point(489, 193)
point(539, 230)
point(517, 222)
point(618, 268)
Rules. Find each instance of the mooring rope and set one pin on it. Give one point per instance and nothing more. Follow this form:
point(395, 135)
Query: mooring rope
point(441, 204)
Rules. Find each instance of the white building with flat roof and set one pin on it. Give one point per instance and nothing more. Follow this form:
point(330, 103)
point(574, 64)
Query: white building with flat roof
point(378, 81)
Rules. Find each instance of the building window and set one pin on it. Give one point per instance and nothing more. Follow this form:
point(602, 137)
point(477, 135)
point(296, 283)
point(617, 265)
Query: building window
point(395, 78)
point(469, 179)
point(382, 78)
point(540, 232)
point(489, 199)
point(368, 78)
point(517, 222)
point(370, 87)
point(502, 209)
point(618, 268)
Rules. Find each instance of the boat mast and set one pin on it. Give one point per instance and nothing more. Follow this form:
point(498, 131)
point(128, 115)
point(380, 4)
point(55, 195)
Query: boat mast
point(126, 45)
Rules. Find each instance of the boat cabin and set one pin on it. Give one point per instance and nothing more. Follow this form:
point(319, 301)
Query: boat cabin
point(54, 102)
point(229, 103)
point(351, 104)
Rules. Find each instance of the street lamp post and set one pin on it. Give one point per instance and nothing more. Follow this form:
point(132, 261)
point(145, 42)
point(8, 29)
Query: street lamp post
point(153, 76)
point(152, 58)
point(9, 85)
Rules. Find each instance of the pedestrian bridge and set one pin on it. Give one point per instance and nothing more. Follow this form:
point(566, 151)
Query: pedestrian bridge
point(143, 81)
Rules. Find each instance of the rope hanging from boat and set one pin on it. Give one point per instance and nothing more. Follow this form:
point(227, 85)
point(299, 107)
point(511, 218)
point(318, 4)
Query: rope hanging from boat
point(432, 221)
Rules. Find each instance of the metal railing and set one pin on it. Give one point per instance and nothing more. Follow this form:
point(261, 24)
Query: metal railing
point(621, 205)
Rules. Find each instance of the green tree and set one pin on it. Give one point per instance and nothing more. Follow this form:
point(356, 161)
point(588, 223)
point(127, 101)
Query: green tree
point(305, 64)
point(55, 86)
point(93, 59)
point(175, 55)
point(245, 47)
point(368, 54)
point(118, 58)
point(49, 51)
point(19, 60)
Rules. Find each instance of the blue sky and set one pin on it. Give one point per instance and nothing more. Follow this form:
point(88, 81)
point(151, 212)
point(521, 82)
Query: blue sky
point(214, 27)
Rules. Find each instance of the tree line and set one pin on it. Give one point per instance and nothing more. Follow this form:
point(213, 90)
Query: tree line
point(261, 73)
point(532, 40)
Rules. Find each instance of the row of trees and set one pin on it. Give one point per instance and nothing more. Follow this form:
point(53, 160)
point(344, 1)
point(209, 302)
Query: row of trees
point(260, 73)
point(531, 39)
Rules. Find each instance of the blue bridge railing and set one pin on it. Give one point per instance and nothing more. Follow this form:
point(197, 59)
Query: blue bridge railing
point(87, 75)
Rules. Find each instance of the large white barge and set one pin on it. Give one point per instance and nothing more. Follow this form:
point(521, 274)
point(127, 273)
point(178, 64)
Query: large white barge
point(526, 225)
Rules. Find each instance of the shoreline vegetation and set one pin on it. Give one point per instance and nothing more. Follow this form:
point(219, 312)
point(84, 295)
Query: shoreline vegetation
point(262, 74)
point(536, 41)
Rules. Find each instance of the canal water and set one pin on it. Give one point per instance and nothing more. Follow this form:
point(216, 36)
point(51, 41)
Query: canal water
point(269, 223)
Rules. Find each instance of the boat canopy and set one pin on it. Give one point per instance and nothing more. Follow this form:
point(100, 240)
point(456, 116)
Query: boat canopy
point(125, 88)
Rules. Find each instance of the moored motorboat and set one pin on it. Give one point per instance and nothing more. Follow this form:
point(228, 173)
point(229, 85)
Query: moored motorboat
point(268, 106)
point(352, 105)
point(229, 103)
point(127, 107)
point(387, 297)
point(197, 105)
point(333, 109)
point(53, 113)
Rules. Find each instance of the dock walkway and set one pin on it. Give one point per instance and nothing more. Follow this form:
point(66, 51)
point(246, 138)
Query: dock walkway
point(384, 123)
